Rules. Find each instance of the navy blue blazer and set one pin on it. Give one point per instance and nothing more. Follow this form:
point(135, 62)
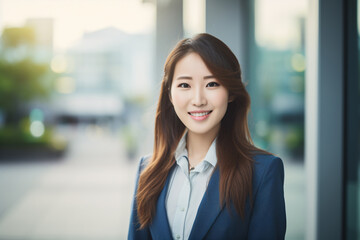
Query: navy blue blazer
point(265, 220)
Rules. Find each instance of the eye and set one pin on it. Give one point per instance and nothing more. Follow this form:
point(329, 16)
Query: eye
point(212, 84)
point(183, 85)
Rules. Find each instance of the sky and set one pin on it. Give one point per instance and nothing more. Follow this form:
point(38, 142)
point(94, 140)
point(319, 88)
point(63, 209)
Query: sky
point(72, 18)
point(274, 22)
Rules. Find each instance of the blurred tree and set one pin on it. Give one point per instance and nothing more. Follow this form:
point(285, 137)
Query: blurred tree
point(21, 78)
point(21, 82)
point(16, 36)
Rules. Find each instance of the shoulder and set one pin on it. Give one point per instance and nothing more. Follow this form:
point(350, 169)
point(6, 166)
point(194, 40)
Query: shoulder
point(267, 168)
point(262, 161)
point(144, 161)
point(265, 162)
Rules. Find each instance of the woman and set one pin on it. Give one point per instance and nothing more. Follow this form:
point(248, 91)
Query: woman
point(205, 178)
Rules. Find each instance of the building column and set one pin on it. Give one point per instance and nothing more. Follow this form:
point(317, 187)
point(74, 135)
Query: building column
point(169, 30)
point(229, 21)
point(324, 113)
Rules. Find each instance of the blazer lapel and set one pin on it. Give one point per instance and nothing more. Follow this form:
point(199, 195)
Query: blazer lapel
point(209, 208)
point(160, 228)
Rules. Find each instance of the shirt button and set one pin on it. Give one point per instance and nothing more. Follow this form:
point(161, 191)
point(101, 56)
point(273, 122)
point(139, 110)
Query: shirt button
point(182, 209)
point(178, 236)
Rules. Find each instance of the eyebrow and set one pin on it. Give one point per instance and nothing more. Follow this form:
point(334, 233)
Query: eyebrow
point(190, 78)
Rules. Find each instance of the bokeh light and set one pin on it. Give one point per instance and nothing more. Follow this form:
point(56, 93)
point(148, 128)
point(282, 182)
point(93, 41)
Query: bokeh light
point(59, 64)
point(298, 62)
point(36, 115)
point(37, 128)
point(65, 85)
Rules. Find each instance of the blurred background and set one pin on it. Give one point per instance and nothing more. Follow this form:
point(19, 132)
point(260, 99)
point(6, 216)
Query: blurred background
point(79, 81)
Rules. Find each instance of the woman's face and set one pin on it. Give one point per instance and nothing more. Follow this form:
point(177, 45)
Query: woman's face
point(198, 98)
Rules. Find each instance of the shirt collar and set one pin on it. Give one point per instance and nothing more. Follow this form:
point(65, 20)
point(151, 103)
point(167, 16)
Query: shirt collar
point(181, 151)
point(211, 156)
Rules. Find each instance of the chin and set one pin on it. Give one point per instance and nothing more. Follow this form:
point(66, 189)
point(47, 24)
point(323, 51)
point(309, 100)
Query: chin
point(201, 131)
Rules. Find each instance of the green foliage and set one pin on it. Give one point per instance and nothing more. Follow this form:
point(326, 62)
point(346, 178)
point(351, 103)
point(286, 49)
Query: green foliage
point(16, 36)
point(129, 136)
point(17, 135)
point(295, 139)
point(21, 82)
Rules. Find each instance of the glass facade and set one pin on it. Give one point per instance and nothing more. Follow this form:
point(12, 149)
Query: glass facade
point(277, 77)
point(276, 85)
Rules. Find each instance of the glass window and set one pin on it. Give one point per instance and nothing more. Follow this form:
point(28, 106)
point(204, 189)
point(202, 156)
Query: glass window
point(276, 86)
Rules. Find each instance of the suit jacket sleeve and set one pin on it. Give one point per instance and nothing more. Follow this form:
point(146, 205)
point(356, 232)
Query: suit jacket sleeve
point(268, 219)
point(134, 231)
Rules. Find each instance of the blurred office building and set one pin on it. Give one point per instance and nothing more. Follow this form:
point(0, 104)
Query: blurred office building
point(100, 73)
point(105, 79)
point(44, 35)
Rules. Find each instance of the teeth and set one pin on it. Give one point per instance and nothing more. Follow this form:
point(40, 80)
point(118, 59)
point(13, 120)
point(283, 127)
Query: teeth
point(199, 114)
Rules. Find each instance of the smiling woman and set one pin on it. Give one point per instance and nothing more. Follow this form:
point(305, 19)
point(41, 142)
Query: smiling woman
point(205, 178)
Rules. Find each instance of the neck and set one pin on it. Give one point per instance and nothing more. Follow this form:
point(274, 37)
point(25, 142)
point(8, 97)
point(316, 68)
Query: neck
point(198, 145)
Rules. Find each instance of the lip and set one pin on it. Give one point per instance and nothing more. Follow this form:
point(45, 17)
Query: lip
point(199, 116)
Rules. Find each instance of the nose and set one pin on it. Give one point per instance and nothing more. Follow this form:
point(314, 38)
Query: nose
point(199, 98)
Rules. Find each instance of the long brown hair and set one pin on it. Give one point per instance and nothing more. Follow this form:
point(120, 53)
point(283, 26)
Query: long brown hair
point(234, 145)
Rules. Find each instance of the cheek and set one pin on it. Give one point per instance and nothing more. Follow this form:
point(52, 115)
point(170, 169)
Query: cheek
point(178, 100)
point(221, 99)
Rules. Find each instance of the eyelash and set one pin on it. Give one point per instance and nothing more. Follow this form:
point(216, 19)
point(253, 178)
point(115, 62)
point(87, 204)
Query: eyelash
point(210, 84)
point(183, 85)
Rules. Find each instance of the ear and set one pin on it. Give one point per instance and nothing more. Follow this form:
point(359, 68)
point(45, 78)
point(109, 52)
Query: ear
point(231, 98)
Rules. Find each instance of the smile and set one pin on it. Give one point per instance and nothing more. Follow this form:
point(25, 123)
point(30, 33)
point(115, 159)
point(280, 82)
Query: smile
point(196, 115)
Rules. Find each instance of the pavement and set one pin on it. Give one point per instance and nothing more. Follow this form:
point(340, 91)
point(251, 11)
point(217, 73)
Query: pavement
point(85, 195)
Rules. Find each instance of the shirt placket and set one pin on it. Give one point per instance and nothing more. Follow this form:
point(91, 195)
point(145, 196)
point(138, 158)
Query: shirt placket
point(181, 209)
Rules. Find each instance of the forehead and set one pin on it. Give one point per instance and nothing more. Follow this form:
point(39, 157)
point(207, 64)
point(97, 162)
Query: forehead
point(191, 64)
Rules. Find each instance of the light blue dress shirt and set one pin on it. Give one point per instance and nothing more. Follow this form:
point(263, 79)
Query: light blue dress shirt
point(186, 189)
